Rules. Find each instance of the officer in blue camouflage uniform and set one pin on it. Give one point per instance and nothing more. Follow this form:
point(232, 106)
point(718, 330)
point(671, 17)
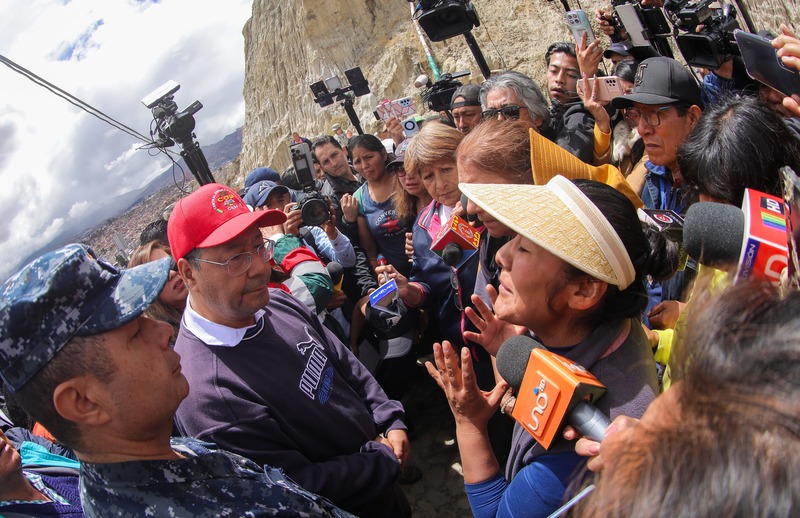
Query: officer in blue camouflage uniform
point(84, 362)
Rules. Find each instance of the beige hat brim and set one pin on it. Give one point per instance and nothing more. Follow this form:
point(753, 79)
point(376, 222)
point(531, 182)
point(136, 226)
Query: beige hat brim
point(537, 213)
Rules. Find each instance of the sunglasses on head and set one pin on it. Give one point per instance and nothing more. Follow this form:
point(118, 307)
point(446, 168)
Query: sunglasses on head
point(509, 112)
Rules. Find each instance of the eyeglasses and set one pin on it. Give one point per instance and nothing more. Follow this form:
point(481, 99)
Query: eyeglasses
point(509, 112)
point(173, 265)
point(651, 117)
point(400, 173)
point(240, 263)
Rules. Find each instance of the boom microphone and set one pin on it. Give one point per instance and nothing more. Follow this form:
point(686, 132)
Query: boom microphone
point(552, 391)
point(753, 238)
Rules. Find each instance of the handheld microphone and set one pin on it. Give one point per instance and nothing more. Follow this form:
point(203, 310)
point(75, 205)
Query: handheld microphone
point(458, 232)
point(753, 238)
point(336, 271)
point(384, 297)
point(452, 254)
point(552, 391)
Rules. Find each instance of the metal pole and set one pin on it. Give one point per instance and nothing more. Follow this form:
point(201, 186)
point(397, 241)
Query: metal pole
point(476, 51)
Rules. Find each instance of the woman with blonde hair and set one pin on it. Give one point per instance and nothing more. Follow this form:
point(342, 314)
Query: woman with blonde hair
point(498, 152)
point(170, 304)
point(432, 283)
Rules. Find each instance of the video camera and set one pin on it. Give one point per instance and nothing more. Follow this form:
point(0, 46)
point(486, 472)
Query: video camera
point(174, 126)
point(714, 42)
point(313, 205)
point(439, 94)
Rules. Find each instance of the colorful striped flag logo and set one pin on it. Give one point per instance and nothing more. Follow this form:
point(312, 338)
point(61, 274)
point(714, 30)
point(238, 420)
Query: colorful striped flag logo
point(772, 220)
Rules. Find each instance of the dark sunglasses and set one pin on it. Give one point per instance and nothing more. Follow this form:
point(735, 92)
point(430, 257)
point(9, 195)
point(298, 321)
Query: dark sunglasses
point(509, 112)
point(173, 266)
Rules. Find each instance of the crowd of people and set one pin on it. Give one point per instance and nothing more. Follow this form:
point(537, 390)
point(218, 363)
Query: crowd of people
point(250, 363)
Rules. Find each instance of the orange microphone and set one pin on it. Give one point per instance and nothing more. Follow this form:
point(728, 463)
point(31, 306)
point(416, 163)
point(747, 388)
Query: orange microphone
point(552, 391)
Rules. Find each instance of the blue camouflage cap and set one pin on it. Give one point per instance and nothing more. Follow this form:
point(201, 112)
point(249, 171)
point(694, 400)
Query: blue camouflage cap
point(68, 293)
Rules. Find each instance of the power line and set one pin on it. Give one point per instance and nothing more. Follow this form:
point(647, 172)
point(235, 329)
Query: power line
point(74, 100)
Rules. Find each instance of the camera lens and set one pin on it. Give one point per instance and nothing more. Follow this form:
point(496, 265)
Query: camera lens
point(315, 212)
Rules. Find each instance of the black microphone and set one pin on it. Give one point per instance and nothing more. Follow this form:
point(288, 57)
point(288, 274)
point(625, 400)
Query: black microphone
point(336, 271)
point(452, 254)
point(472, 218)
point(713, 233)
point(552, 391)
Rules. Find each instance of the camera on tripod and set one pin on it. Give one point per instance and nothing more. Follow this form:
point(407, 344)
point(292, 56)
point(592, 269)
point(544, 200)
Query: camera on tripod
point(172, 124)
point(178, 126)
point(714, 42)
point(314, 207)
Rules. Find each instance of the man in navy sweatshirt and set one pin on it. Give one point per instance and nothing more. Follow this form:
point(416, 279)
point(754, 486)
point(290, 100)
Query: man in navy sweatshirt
point(267, 380)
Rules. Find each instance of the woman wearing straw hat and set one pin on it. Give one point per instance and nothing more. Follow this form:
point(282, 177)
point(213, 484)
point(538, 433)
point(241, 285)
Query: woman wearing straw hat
point(573, 275)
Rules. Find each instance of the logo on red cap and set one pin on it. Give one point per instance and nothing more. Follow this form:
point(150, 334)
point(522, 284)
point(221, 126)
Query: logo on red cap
point(225, 200)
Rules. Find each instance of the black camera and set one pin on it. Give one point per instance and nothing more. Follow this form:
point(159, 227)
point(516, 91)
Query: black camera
point(178, 126)
point(714, 43)
point(313, 206)
point(439, 94)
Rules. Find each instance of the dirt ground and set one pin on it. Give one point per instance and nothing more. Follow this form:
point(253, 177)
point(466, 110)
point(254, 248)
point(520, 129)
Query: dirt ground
point(440, 492)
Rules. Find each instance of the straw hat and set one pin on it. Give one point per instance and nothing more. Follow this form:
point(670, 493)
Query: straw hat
point(548, 159)
point(562, 220)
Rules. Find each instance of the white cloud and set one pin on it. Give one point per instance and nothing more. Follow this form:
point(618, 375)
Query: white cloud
point(55, 160)
point(79, 209)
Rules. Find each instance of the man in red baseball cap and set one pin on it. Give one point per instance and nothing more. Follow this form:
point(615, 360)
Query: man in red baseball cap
point(267, 380)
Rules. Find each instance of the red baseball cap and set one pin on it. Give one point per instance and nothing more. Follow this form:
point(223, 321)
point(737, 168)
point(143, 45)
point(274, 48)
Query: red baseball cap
point(210, 216)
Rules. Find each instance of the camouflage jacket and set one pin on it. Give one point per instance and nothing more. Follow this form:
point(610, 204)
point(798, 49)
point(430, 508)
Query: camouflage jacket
point(208, 482)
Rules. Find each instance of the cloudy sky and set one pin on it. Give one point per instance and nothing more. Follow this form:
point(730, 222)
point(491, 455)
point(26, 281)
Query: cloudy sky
point(56, 160)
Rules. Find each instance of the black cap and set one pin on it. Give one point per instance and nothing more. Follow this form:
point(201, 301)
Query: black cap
point(661, 80)
point(621, 47)
point(471, 94)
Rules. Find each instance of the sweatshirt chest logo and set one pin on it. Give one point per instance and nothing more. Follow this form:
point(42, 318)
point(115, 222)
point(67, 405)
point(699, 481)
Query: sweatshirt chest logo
point(317, 379)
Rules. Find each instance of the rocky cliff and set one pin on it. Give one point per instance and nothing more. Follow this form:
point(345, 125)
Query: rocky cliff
point(289, 45)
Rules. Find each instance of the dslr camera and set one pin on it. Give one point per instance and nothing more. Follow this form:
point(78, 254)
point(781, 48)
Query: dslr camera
point(313, 205)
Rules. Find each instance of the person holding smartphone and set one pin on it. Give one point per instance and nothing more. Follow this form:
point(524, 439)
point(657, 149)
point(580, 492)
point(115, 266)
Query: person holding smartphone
point(571, 124)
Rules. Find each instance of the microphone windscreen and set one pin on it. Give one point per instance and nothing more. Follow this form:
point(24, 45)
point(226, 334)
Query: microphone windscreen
point(513, 356)
point(451, 254)
point(335, 270)
point(713, 233)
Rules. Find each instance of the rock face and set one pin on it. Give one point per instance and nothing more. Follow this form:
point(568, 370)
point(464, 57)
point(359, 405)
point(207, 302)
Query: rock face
point(289, 45)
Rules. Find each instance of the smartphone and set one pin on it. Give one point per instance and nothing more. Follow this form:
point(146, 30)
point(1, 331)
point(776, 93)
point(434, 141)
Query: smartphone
point(763, 64)
point(608, 87)
point(400, 108)
point(579, 23)
point(410, 126)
